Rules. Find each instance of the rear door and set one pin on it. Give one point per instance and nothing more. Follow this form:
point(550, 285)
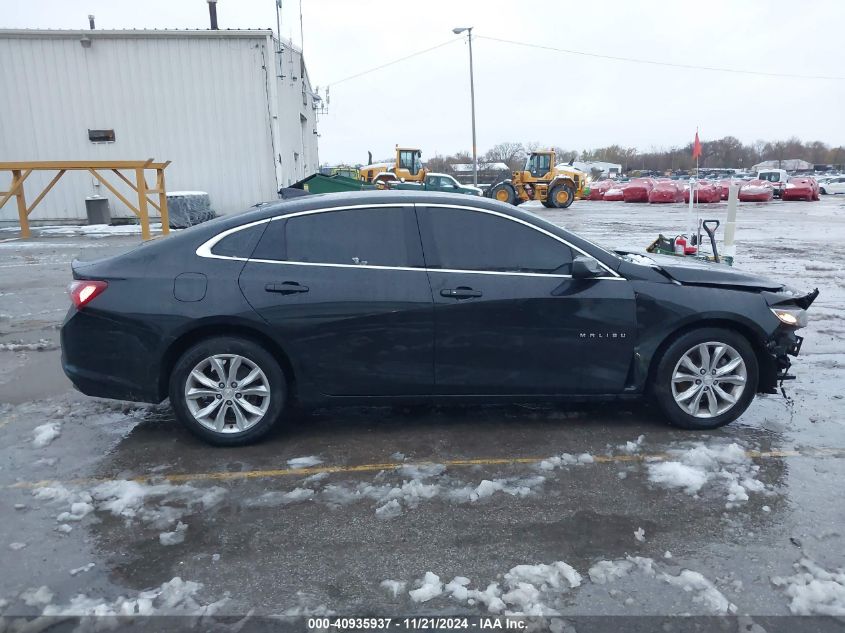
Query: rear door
point(347, 294)
point(509, 318)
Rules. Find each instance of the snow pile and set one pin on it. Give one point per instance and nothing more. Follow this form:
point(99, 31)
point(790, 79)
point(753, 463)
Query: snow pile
point(275, 498)
point(429, 587)
point(395, 587)
point(726, 467)
point(41, 345)
point(16, 546)
point(175, 597)
point(704, 592)
point(566, 459)
point(304, 462)
point(81, 570)
point(814, 590)
point(606, 571)
point(45, 434)
point(160, 505)
point(175, 537)
point(37, 597)
point(639, 534)
point(632, 447)
point(429, 482)
point(525, 589)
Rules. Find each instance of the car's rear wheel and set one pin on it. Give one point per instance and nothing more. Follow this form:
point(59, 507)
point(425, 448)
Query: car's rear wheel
point(706, 378)
point(227, 390)
point(823, 191)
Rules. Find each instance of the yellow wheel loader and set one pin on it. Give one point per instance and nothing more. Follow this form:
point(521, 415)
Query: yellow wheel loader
point(406, 168)
point(556, 186)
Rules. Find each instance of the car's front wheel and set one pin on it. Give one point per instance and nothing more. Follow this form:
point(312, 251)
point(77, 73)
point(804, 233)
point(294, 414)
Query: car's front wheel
point(706, 378)
point(227, 390)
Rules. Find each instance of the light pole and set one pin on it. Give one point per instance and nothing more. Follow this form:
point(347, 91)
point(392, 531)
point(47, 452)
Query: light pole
point(458, 31)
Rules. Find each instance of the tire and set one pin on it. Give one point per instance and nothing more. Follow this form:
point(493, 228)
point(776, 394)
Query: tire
point(503, 192)
point(697, 412)
point(248, 359)
point(823, 191)
point(548, 204)
point(562, 196)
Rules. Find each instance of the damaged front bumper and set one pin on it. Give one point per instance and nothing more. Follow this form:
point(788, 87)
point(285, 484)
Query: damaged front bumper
point(785, 341)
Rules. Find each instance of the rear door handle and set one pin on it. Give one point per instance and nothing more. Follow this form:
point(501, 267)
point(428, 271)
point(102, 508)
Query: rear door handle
point(286, 288)
point(461, 292)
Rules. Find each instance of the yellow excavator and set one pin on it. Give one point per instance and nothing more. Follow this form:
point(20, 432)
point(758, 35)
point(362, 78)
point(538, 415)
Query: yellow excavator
point(407, 167)
point(556, 186)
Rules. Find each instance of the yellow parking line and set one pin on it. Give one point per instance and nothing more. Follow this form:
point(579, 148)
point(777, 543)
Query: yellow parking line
point(364, 468)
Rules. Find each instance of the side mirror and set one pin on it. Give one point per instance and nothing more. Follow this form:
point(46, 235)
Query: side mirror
point(585, 267)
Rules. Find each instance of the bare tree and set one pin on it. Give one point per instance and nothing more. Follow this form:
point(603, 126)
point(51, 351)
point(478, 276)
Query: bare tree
point(512, 154)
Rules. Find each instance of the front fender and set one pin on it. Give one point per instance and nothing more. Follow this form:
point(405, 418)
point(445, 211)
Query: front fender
point(666, 310)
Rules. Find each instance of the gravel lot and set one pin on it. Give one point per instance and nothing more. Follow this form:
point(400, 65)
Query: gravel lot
point(573, 510)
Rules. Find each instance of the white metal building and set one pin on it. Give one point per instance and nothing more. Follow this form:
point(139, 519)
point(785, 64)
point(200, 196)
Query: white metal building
point(607, 169)
point(232, 109)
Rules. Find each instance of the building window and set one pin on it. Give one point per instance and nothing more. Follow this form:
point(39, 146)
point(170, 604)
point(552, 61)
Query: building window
point(101, 136)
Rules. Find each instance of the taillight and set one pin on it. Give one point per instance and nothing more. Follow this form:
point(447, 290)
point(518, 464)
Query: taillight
point(83, 291)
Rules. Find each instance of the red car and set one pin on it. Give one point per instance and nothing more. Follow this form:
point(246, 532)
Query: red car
point(666, 191)
point(638, 190)
point(756, 191)
point(704, 192)
point(724, 188)
point(598, 189)
point(616, 193)
point(800, 188)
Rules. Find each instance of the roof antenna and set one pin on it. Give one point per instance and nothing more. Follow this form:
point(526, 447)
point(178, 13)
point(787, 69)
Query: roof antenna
point(91, 22)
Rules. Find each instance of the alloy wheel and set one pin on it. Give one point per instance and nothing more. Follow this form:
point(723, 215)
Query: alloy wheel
point(227, 393)
point(709, 379)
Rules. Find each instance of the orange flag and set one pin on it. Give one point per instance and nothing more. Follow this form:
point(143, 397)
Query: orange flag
point(696, 147)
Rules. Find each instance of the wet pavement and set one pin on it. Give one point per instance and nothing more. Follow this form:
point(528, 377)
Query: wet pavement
point(651, 519)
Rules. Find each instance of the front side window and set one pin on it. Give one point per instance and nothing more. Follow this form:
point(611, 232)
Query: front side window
point(356, 237)
point(472, 240)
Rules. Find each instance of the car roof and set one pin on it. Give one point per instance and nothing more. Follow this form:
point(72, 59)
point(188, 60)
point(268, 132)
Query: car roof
point(392, 196)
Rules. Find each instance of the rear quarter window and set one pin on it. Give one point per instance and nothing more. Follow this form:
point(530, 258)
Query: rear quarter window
point(241, 243)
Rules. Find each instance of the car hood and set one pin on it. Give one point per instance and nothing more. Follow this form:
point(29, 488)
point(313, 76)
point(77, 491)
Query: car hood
point(697, 272)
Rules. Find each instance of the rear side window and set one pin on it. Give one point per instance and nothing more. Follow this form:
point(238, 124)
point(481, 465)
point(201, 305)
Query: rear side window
point(472, 240)
point(240, 243)
point(374, 237)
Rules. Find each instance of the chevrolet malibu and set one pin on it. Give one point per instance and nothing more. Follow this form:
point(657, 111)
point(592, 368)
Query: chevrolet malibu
point(402, 296)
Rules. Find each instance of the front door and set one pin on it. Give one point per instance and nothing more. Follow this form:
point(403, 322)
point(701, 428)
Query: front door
point(509, 318)
point(349, 299)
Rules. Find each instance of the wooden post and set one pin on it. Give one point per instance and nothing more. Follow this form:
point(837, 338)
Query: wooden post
point(17, 187)
point(142, 203)
point(162, 201)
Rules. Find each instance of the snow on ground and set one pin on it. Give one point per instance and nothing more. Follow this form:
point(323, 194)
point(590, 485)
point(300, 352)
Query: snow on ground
point(174, 597)
point(814, 590)
point(304, 462)
point(565, 459)
point(524, 589)
point(158, 505)
point(726, 467)
point(175, 537)
point(419, 483)
point(41, 345)
point(703, 591)
point(45, 434)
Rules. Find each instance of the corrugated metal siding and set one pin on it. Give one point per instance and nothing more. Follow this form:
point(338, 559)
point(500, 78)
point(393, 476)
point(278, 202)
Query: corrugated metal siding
point(198, 102)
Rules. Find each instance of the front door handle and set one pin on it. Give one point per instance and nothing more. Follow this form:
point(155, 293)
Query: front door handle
point(461, 292)
point(286, 288)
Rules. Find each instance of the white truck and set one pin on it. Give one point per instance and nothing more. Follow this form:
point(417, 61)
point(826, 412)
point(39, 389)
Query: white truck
point(778, 178)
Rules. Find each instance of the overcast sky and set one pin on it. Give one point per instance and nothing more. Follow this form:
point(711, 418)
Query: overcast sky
point(525, 94)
